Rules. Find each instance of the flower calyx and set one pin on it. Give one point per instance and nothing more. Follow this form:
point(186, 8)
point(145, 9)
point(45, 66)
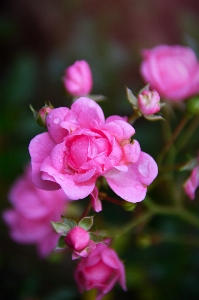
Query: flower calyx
point(76, 236)
point(40, 116)
point(146, 104)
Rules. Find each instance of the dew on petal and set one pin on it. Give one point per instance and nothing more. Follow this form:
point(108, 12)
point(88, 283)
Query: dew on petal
point(57, 120)
point(143, 169)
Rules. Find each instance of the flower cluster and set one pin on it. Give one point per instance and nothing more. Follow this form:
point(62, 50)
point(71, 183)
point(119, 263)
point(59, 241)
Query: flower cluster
point(81, 146)
point(80, 149)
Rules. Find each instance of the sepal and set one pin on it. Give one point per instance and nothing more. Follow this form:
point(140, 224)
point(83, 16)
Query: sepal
point(86, 223)
point(69, 222)
point(61, 228)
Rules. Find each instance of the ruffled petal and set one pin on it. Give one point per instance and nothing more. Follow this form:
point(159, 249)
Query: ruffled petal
point(40, 147)
point(132, 185)
point(53, 120)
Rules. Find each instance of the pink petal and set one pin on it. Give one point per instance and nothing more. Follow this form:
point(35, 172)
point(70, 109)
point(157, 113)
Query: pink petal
point(53, 120)
point(85, 107)
point(40, 147)
point(132, 185)
point(73, 190)
point(96, 203)
point(132, 152)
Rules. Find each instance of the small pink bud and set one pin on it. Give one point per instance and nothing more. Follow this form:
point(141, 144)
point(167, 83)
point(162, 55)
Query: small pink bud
point(77, 238)
point(149, 102)
point(78, 79)
point(40, 116)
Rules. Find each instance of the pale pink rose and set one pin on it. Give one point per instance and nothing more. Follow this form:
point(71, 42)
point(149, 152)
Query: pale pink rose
point(81, 146)
point(78, 79)
point(171, 70)
point(33, 210)
point(100, 270)
point(192, 183)
point(149, 102)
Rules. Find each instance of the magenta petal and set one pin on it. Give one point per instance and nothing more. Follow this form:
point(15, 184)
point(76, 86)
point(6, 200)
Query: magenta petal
point(53, 120)
point(96, 203)
point(132, 152)
point(72, 190)
point(85, 107)
point(132, 185)
point(40, 147)
point(120, 129)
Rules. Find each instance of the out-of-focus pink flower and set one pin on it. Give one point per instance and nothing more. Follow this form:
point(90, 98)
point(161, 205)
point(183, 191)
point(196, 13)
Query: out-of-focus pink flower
point(100, 270)
point(149, 102)
point(33, 210)
point(172, 70)
point(78, 79)
point(192, 183)
point(81, 145)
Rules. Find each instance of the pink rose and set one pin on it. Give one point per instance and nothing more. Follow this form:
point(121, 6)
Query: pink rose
point(33, 210)
point(192, 183)
point(78, 79)
point(81, 146)
point(100, 270)
point(172, 70)
point(149, 102)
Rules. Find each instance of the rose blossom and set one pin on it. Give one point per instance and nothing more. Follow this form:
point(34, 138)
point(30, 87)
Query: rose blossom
point(172, 70)
point(78, 78)
point(81, 145)
point(192, 183)
point(100, 270)
point(33, 210)
point(149, 102)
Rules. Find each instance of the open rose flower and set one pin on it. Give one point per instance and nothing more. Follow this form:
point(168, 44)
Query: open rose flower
point(100, 270)
point(78, 79)
point(81, 145)
point(171, 70)
point(33, 210)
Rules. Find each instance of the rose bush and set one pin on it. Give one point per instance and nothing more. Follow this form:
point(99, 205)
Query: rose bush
point(33, 210)
point(172, 70)
point(78, 79)
point(100, 270)
point(81, 145)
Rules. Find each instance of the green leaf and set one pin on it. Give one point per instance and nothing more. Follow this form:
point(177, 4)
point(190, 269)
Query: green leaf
point(153, 117)
point(146, 87)
point(131, 98)
point(69, 222)
point(86, 223)
point(95, 238)
point(61, 228)
point(61, 243)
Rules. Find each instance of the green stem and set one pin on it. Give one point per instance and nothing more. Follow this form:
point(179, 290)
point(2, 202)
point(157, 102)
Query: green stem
point(172, 138)
point(187, 135)
point(180, 212)
point(87, 210)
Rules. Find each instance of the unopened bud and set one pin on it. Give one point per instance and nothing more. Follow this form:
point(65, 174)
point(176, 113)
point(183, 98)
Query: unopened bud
point(40, 116)
point(149, 102)
point(77, 238)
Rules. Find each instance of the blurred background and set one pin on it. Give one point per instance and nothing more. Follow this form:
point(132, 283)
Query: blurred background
point(39, 39)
